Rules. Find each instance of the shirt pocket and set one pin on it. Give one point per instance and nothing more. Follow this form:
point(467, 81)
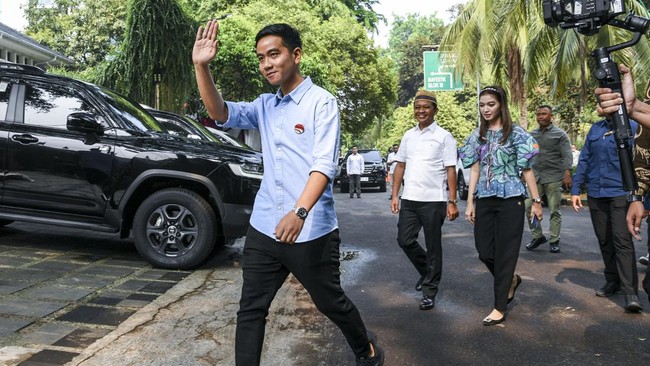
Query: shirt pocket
point(429, 150)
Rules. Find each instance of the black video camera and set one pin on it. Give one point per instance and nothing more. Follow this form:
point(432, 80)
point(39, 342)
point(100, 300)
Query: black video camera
point(588, 16)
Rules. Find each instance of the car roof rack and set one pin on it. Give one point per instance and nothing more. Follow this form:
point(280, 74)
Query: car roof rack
point(21, 67)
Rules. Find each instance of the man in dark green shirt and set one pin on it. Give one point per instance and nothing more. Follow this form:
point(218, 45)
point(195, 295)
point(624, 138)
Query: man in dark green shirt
point(552, 168)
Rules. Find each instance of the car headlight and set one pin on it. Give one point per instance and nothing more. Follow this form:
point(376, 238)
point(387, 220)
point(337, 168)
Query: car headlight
point(248, 170)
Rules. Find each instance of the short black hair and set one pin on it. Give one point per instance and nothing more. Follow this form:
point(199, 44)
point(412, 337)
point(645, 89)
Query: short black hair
point(290, 36)
point(545, 106)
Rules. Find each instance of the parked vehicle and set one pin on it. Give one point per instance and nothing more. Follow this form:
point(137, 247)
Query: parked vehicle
point(74, 154)
point(374, 171)
point(185, 126)
point(462, 181)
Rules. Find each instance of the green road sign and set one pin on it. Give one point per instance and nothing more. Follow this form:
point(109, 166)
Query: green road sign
point(440, 72)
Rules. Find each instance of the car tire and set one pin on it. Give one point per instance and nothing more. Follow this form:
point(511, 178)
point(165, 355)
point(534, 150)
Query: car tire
point(5, 222)
point(461, 186)
point(183, 214)
point(345, 187)
point(382, 186)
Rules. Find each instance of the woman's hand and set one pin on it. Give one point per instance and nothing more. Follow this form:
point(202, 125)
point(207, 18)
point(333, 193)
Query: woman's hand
point(470, 212)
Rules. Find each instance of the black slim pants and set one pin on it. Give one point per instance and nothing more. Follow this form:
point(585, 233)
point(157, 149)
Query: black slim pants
point(498, 229)
point(355, 185)
point(413, 216)
point(616, 246)
point(266, 264)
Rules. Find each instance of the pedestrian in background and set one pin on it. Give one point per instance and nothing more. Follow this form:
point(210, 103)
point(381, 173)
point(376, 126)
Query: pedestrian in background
point(426, 159)
point(552, 168)
point(390, 160)
point(300, 131)
point(599, 170)
point(499, 154)
point(354, 167)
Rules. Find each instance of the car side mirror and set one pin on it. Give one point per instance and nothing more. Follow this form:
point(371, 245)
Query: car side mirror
point(84, 123)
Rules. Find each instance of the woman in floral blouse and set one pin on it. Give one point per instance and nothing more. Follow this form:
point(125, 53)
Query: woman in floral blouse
point(499, 153)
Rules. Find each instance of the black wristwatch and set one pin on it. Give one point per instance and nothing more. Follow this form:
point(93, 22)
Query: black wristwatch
point(301, 212)
point(537, 199)
point(453, 202)
point(635, 197)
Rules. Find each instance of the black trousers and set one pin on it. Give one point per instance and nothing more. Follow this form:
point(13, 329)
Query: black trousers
point(413, 216)
point(355, 185)
point(266, 264)
point(616, 246)
point(498, 229)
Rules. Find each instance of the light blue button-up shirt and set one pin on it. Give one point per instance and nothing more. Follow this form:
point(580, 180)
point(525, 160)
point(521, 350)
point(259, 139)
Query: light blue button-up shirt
point(300, 134)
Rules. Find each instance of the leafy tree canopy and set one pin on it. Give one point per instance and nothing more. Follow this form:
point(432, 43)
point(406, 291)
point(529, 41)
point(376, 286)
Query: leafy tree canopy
point(338, 55)
point(83, 30)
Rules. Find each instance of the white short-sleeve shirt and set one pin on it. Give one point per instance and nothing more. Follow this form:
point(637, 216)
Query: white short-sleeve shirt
point(427, 153)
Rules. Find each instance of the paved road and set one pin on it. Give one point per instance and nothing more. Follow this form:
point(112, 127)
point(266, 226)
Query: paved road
point(555, 319)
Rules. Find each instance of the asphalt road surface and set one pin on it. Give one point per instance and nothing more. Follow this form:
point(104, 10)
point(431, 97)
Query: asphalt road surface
point(555, 319)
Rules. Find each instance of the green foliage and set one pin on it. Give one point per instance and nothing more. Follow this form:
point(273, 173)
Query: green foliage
point(159, 37)
point(86, 31)
point(338, 55)
point(407, 38)
point(457, 113)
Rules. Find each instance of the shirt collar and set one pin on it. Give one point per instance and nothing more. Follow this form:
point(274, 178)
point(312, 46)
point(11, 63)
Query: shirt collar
point(297, 93)
point(431, 127)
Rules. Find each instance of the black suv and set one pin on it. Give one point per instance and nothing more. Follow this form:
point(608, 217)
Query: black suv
point(78, 155)
point(374, 171)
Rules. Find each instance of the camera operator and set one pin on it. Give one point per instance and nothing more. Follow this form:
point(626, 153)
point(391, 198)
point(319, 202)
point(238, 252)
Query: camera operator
point(609, 103)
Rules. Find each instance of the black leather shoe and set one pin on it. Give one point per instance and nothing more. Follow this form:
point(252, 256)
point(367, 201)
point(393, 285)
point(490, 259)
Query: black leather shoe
point(427, 303)
point(489, 321)
point(418, 286)
point(376, 360)
point(632, 304)
point(536, 242)
point(515, 284)
point(555, 247)
point(609, 289)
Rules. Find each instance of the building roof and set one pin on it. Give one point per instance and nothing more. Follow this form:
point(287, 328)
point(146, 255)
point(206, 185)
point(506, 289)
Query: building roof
point(14, 41)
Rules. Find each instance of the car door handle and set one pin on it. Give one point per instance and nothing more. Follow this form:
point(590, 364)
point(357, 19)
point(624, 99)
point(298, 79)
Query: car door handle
point(24, 139)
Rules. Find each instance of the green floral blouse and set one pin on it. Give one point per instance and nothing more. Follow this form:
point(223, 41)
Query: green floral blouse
point(500, 164)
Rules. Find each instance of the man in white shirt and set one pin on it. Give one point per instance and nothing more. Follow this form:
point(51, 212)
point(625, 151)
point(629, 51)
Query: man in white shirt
point(390, 160)
point(426, 160)
point(354, 170)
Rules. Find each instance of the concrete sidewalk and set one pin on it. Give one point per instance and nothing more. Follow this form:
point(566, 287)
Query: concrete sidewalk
point(194, 324)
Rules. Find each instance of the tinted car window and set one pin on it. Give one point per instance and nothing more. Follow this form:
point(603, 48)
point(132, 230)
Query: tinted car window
point(50, 106)
point(131, 113)
point(5, 89)
point(371, 155)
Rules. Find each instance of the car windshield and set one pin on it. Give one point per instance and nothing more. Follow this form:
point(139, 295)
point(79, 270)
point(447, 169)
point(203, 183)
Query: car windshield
point(372, 155)
point(368, 156)
point(132, 114)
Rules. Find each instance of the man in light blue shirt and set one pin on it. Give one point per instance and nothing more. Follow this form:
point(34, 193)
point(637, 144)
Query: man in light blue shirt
point(293, 226)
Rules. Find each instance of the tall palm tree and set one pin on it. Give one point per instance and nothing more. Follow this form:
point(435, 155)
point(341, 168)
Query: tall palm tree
point(522, 52)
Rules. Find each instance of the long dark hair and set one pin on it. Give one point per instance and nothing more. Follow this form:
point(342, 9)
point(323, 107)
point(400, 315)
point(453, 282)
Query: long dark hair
point(506, 120)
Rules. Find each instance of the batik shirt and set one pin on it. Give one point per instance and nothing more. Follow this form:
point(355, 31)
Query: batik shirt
point(500, 164)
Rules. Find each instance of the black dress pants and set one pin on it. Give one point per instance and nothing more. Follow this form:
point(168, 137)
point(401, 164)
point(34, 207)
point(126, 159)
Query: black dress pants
point(266, 264)
point(355, 185)
point(616, 246)
point(498, 229)
point(413, 216)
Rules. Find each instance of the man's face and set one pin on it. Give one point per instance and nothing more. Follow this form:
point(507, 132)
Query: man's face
point(424, 111)
point(354, 150)
point(277, 63)
point(395, 147)
point(544, 117)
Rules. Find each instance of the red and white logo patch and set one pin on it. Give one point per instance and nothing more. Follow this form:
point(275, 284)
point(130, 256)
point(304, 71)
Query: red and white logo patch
point(299, 129)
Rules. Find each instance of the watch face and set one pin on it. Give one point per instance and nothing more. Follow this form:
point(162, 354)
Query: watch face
point(301, 212)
